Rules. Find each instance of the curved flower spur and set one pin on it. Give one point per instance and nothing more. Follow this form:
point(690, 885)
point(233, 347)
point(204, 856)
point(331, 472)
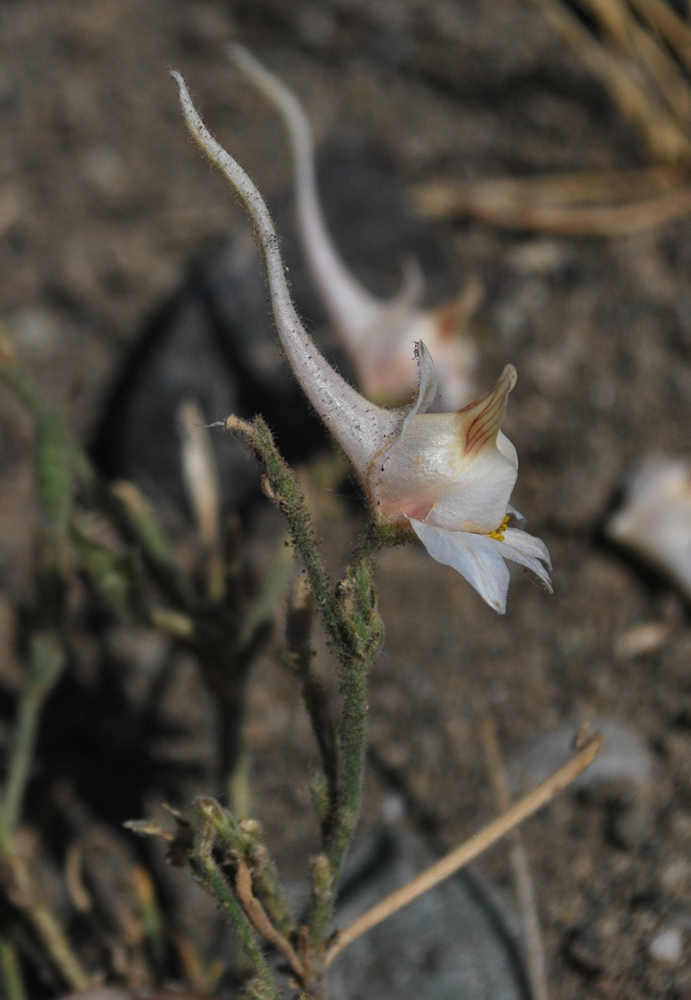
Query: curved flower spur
point(448, 476)
point(379, 335)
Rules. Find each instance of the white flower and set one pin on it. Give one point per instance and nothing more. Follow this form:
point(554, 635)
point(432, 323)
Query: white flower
point(655, 521)
point(449, 476)
point(378, 335)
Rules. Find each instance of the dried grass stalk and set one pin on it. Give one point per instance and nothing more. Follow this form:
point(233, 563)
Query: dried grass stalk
point(622, 78)
point(663, 18)
point(570, 205)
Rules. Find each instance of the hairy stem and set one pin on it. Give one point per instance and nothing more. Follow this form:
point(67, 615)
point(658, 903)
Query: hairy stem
point(353, 745)
point(299, 658)
point(211, 877)
point(245, 839)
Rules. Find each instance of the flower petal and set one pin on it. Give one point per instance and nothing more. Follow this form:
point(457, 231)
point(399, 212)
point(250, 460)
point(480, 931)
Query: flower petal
point(517, 516)
point(475, 557)
point(413, 289)
point(478, 499)
point(507, 449)
point(482, 419)
point(527, 550)
point(427, 390)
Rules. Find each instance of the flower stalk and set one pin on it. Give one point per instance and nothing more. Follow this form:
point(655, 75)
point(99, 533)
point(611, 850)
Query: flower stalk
point(446, 478)
point(354, 626)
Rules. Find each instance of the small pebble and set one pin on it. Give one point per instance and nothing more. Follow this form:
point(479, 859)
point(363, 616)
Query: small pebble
point(393, 808)
point(676, 877)
point(647, 637)
point(666, 946)
point(36, 332)
point(537, 257)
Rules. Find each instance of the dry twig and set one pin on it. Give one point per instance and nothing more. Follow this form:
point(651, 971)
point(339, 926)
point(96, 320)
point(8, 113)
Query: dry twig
point(256, 914)
point(201, 481)
point(621, 77)
point(570, 204)
point(525, 889)
point(632, 54)
point(473, 847)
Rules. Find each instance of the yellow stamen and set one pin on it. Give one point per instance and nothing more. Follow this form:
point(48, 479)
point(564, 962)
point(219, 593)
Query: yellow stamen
point(498, 533)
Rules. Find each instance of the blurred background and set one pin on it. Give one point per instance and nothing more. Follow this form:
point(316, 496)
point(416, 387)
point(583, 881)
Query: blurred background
point(115, 237)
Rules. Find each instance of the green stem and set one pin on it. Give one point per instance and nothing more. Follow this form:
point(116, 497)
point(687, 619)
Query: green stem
point(354, 626)
point(246, 839)
point(46, 665)
point(133, 528)
point(10, 971)
point(136, 522)
point(358, 600)
point(299, 657)
point(212, 879)
point(285, 487)
point(354, 744)
point(20, 763)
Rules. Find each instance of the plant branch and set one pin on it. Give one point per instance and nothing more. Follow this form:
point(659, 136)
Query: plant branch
point(47, 660)
point(245, 840)
point(299, 657)
point(283, 487)
point(353, 746)
point(358, 599)
point(353, 624)
point(473, 847)
point(662, 17)
point(568, 204)
point(47, 655)
point(211, 877)
point(256, 914)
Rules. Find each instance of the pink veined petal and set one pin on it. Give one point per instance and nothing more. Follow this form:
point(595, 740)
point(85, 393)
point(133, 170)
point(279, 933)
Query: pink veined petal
point(526, 550)
point(474, 556)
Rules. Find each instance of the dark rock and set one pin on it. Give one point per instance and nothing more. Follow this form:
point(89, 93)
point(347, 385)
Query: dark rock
point(453, 943)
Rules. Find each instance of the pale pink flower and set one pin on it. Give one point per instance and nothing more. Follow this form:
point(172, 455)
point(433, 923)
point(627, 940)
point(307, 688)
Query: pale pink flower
point(449, 476)
point(655, 520)
point(379, 335)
